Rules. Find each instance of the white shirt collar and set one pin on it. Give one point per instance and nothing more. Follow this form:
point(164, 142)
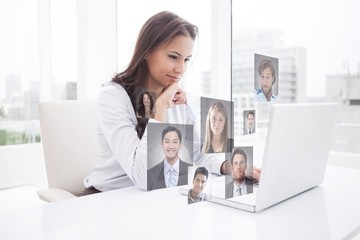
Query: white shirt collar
point(242, 187)
point(167, 166)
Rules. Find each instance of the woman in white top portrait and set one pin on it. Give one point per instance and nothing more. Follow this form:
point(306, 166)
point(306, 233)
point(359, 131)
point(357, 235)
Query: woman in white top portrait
point(162, 52)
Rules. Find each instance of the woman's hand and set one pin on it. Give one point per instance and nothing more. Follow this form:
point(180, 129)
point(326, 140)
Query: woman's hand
point(180, 98)
point(171, 96)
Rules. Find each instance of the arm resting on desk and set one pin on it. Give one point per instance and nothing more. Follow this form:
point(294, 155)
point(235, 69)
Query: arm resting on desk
point(54, 194)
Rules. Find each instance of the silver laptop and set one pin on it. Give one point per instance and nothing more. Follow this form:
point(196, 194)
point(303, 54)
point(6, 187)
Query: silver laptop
point(295, 156)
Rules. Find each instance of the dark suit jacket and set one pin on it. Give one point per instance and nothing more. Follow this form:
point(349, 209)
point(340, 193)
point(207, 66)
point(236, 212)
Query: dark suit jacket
point(246, 131)
point(156, 178)
point(229, 187)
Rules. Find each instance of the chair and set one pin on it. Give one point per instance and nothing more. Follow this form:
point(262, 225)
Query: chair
point(68, 133)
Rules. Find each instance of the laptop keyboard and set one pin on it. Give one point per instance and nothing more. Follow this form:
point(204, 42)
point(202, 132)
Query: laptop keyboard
point(248, 199)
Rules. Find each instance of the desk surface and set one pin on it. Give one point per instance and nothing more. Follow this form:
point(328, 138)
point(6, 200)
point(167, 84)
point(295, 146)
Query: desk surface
point(330, 211)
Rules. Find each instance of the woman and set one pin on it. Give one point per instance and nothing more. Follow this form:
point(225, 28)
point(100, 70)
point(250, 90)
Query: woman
point(216, 133)
point(145, 105)
point(163, 49)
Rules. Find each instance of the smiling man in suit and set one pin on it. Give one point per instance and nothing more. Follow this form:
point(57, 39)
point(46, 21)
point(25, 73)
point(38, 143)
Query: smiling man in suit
point(172, 171)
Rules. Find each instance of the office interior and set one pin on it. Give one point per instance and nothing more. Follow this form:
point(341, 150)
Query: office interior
point(65, 50)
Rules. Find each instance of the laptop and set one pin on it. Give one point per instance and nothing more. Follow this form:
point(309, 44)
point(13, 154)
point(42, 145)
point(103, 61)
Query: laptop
point(295, 156)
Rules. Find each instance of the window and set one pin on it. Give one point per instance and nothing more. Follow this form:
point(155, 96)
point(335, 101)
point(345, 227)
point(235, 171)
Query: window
point(52, 50)
point(318, 56)
point(63, 49)
point(19, 72)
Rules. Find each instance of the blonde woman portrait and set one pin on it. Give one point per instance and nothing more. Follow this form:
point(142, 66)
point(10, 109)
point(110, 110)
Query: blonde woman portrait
point(216, 138)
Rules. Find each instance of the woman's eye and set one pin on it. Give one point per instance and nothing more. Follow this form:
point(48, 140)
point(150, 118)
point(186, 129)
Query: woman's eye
point(173, 57)
point(187, 59)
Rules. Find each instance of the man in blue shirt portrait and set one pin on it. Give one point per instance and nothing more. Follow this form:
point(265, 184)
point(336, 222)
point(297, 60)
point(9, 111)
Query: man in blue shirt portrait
point(266, 71)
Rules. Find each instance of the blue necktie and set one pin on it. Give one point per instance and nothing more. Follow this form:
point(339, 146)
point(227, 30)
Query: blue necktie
point(172, 180)
point(238, 192)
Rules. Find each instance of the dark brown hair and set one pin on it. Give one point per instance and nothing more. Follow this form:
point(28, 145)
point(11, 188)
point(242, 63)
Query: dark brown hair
point(171, 129)
point(201, 170)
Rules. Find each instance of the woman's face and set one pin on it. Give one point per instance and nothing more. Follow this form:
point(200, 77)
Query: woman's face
point(168, 62)
point(146, 100)
point(217, 121)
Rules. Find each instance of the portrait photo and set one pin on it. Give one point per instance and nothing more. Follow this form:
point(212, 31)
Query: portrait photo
point(169, 154)
point(249, 122)
point(266, 78)
point(199, 184)
point(240, 181)
point(146, 105)
point(216, 125)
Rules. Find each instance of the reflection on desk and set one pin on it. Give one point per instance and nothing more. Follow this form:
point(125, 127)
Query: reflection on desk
point(330, 211)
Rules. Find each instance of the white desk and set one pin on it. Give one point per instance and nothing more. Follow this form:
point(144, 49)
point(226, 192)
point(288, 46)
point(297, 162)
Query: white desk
point(331, 211)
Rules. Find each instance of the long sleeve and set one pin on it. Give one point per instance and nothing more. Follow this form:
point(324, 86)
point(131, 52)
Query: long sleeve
point(117, 122)
point(122, 158)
